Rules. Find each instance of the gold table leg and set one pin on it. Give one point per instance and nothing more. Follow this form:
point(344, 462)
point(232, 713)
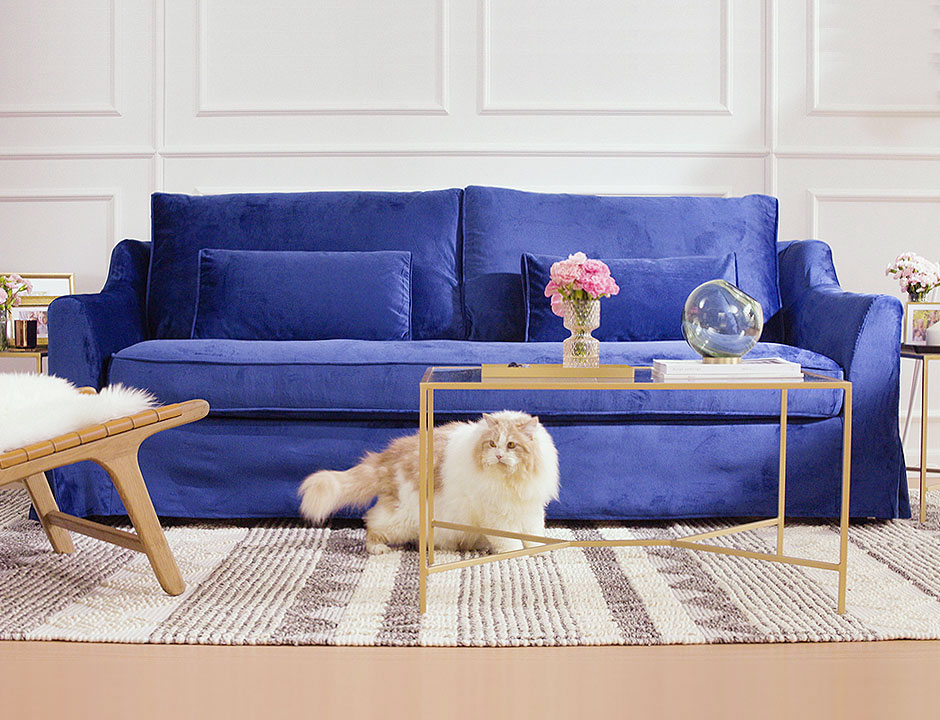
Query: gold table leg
point(782, 472)
point(422, 502)
point(923, 439)
point(846, 481)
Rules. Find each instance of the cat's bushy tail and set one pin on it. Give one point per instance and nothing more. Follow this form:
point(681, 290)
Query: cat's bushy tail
point(326, 491)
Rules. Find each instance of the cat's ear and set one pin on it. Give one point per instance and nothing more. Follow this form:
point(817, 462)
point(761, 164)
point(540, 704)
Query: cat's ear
point(490, 421)
point(529, 426)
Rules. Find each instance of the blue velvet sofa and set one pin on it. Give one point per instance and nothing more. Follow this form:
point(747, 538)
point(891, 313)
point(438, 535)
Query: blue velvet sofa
point(306, 320)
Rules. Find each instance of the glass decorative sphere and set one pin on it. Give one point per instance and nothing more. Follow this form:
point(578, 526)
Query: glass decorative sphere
point(721, 321)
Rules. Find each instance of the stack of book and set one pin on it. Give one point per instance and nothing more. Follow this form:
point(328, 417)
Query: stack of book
point(755, 370)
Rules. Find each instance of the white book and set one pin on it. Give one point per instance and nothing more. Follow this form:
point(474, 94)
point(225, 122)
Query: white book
point(754, 368)
point(659, 377)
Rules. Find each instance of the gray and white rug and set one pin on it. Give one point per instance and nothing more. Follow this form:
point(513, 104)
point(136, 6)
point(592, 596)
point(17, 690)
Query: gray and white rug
point(283, 583)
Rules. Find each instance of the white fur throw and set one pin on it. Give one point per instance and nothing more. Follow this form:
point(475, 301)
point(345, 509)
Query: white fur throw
point(40, 407)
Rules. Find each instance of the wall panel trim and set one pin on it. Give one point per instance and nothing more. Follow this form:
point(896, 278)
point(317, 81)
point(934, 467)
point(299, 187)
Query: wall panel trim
point(487, 106)
point(817, 196)
point(438, 106)
point(818, 107)
point(111, 196)
point(111, 108)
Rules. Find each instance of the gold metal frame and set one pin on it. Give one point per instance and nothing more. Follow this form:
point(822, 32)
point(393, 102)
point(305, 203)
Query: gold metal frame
point(37, 354)
point(428, 523)
point(46, 299)
point(925, 360)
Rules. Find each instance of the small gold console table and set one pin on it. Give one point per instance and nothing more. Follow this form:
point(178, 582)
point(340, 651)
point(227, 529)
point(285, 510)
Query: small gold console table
point(923, 357)
point(36, 354)
point(552, 378)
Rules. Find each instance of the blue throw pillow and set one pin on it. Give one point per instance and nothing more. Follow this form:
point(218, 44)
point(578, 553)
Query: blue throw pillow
point(649, 306)
point(298, 295)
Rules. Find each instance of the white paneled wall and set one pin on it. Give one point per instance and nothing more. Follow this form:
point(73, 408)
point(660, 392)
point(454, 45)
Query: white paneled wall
point(833, 106)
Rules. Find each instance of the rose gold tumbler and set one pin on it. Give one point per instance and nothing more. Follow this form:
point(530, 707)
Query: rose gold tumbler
point(24, 334)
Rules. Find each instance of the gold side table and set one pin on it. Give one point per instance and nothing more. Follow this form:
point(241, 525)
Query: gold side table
point(923, 356)
point(38, 354)
point(473, 378)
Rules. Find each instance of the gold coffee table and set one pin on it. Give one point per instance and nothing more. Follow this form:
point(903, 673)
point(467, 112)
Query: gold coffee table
point(551, 377)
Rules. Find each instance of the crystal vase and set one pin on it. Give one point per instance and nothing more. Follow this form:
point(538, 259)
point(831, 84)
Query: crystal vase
point(4, 332)
point(581, 317)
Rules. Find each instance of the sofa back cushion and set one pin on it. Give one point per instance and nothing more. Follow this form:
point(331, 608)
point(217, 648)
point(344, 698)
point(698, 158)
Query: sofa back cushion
point(297, 295)
point(648, 307)
point(500, 225)
point(422, 223)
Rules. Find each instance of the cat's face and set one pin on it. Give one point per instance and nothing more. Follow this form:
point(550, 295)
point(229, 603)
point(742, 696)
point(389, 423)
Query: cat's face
point(508, 442)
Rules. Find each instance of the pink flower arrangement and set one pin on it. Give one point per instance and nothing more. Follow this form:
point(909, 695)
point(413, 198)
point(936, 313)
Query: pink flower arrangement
point(579, 278)
point(916, 275)
point(11, 287)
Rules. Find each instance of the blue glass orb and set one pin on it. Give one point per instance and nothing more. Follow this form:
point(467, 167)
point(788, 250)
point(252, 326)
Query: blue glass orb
point(721, 321)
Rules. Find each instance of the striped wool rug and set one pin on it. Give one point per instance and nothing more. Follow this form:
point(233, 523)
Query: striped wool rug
point(282, 583)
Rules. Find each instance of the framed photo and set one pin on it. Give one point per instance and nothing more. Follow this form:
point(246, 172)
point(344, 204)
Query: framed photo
point(35, 306)
point(48, 286)
point(39, 313)
point(919, 320)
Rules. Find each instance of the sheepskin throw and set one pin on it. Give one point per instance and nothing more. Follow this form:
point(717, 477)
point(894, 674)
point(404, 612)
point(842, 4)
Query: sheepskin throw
point(34, 408)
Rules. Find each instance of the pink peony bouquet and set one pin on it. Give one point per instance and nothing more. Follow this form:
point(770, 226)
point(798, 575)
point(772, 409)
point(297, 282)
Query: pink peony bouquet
point(11, 287)
point(579, 278)
point(916, 275)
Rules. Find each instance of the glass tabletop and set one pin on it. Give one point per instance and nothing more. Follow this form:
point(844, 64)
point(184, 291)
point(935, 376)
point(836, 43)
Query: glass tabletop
point(642, 375)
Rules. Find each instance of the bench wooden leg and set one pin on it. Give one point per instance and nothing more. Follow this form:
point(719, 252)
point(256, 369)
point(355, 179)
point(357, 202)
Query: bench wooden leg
point(44, 502)
point(125, 474)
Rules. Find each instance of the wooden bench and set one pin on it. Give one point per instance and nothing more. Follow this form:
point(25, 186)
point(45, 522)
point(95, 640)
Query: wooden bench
point(114, 446)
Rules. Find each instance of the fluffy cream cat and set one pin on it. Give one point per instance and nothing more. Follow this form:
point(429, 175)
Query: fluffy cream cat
point(499, 472)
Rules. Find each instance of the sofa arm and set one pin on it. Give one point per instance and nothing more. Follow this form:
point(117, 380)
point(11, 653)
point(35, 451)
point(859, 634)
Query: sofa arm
point(85, 330)
point(861, 332)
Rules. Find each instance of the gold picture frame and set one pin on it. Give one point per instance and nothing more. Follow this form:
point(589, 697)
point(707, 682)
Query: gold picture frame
point(46, 288)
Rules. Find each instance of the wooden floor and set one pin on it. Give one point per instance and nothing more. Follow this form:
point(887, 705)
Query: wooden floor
point(802, 681)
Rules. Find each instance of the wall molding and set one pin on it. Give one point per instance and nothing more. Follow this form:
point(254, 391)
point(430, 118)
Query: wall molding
point(110, 196)
point(579, 189)
point(857, 153)
point(72, 152)
point(818, 108)
point(817, 196)
point(237, 151)
point(487, 106)
point(110, 108)
point(438, 106)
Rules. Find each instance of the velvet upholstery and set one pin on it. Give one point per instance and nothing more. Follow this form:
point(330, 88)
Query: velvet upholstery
point(649, 305)
point(251, 467)
point(247, 461)
point(339, 378)
point(85, 330)
point(500, 225)
point(291, 295)
point(422, 223)
point(862, 333)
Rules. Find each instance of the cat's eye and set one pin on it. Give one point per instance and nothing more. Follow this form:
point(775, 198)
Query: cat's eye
point(492, 443)
point(510, 445)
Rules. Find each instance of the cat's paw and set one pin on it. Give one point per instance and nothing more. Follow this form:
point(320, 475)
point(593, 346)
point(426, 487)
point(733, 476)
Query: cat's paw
point(378, 548)
point(502, 545)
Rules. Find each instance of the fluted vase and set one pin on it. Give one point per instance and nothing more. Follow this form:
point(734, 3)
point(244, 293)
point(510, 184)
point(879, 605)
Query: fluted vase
point(581, 318)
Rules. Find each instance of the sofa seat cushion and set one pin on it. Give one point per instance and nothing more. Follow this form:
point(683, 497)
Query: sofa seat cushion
point(379, 379)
